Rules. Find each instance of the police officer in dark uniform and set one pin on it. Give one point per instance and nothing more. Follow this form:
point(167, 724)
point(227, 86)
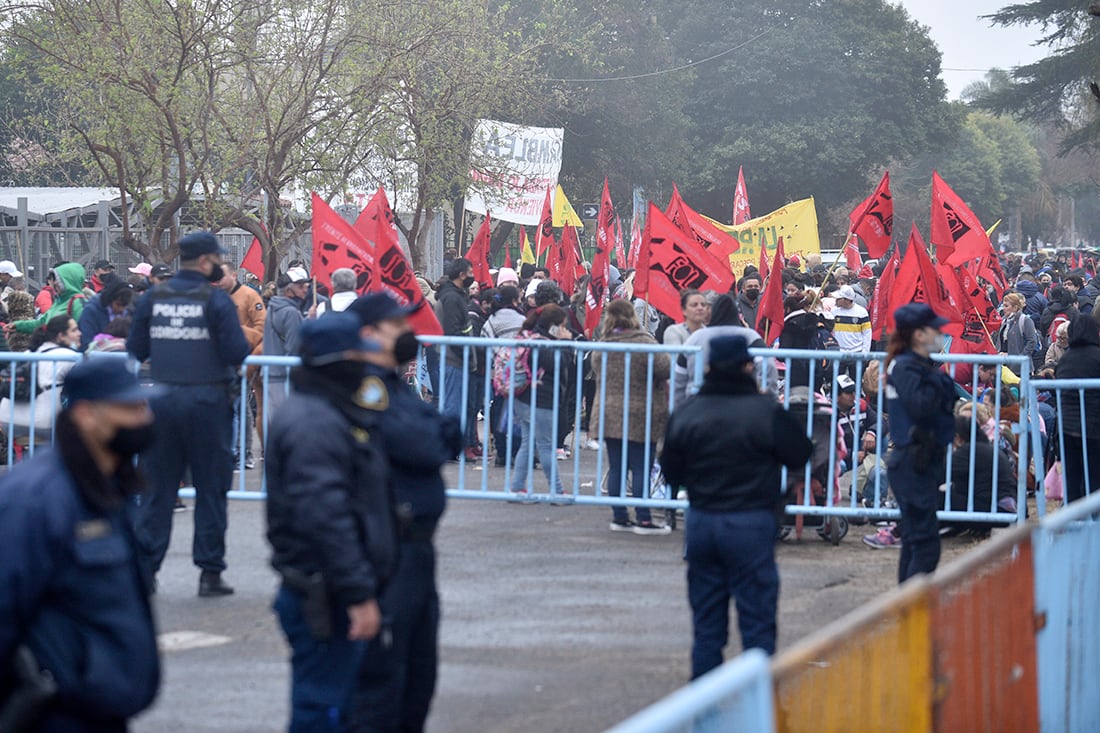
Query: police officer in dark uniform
point(189, 331)
point(397, 678)
point(78, 649)
point(329, 521)
point(920, 400)
point(727, 446)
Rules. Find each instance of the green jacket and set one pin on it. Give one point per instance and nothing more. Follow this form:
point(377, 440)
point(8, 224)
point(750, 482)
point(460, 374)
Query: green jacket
point(70, 301)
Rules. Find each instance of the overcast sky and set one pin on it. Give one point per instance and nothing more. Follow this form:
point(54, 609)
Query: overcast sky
point(968, 42)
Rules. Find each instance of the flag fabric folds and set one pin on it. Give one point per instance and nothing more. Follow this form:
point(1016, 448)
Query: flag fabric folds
point(771, 300)
point(741, 212)
point(596, 294)
point(564, 214)
point(254, 259)
point(336, 244)
point(526, 255)
point(544, 237)
point(956, 233)
point(703, 229)
point(918, 282)
point(873, 220)
point(478, 254)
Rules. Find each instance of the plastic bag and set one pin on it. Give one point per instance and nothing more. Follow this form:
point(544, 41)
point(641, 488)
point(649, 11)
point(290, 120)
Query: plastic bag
point(1052, 484)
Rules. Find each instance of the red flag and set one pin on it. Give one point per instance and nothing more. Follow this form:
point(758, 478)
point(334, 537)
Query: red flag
point(554, 260)
point(620, 250)
point(596, 294)
point(544, 239)
point(882, 318)
point(508, 251)
point(763, 262)
point(917, 282)
point(978, 313)
point(989, 268)
point(852, 257)
point(771, 300)
point(395, 274)
point(478, 254)
point(670, 261)
point(740, 200)
point(571, 264)
point(873, 219)
point(254, 259)
point(956, 233)
point(336, 244)
point(635, 244)
point(697, 225)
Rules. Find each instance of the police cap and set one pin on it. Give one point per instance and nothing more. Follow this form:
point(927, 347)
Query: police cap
point(105, 379)
point(197, 244)
point(375, 307)
point(328, 339)
point(918, 315)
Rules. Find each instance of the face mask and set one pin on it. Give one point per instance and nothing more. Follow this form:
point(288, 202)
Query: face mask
point(405, 347)
point(937, 344)
point(752, 294)
point(467, 282)
point(128, 442)
point(216, 274)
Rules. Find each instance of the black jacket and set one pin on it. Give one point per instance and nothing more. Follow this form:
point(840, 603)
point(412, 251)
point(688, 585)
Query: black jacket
point(984, 455)
point(726, 446)
point(451, 307)
point(328, 498)
point(1081, 361)
point(799, 329)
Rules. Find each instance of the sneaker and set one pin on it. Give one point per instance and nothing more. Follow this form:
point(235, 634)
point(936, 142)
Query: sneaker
point(562, 454)
point(648, 527)
point(621, 526)
point(249, 462)
point(592, 444)
point(472, 454)
point(882, 540)
point(180, 506)
point(521, 497)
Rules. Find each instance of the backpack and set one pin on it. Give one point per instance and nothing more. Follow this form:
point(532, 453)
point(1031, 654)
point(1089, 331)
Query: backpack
point(20, 373)
point(824, 340)
point(1023, 333)
point(513, 375)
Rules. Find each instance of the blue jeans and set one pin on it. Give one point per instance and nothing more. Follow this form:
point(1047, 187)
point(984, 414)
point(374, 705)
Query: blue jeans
point(452, 391)
point(322, 673)
point(543, 440)
point(730, 554)
point(635, 463)
point(474, 403)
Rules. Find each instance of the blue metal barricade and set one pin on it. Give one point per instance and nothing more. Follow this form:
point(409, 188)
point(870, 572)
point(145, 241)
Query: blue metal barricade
point(1075, 452)
point(735, 697)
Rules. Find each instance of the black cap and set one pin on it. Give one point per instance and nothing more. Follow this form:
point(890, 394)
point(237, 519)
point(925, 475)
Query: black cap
point(918, 315)
point(375, 307)
point(103, 265)
point(732, 350)
point(197, 244)
point(160, 271)
point(105, 379)
point(326, 339)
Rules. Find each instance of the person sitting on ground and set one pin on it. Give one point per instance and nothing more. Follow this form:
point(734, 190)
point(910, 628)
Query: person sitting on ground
point(985, 455)
point(113, 338)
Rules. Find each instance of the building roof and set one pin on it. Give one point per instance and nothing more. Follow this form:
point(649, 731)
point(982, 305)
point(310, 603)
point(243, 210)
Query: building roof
point(44, 202)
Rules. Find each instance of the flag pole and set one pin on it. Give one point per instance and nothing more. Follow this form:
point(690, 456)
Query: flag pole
point(314, 278)
point(462, 232)
point(836, 262)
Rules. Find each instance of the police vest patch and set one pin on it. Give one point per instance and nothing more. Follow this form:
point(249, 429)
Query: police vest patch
point(92, 529)
point(360, 435)
point(373, 394)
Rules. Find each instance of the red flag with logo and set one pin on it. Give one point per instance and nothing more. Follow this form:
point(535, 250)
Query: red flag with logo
point(544, 238)
point(254, 259)
point(571, 264)
point(740, 200)
point(771, 301)
point(478, 254)
point(882, 318)
point(957, 234)
point(917, 282)
point(873, 220)
point(620, 249)
point(670, 261)
point(395, 274)
point(336, 244)
point(852, 257)
point(635, 244)
point(763, 268)
point(596, 295)
point(693, 223)
point(979, 315)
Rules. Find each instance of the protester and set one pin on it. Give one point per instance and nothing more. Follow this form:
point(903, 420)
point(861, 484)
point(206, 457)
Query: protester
point(68, 281)
point(726, 446)
point(281, 325)
point(78, 642)
point(1018, 335)
point(1080, 431)
point(724, 322)
point(800, 329)
point(851, 327)
point(644, 409)
point(452, 309)
point(505, 321)
point(696, 312)
point(920, 401)
point(1057, 349)
point(8, 272)
point(1034, 301)
point(1061, 309)
point(160, 274)
point(20, 307)
point(343, 289)
point(113, 339)
point(330, 522)
point(748, 300)
point(252, 315)
point(114, 300)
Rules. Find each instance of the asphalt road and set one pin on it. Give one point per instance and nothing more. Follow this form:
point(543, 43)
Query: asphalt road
point(550, 621)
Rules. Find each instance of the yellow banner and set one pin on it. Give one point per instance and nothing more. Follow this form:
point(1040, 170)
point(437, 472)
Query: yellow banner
point(796, 223)
point(564, 215)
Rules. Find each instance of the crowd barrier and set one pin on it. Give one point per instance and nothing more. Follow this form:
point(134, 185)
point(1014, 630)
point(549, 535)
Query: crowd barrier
point(1057, 393)
point(828, 486)
point(1002, 639)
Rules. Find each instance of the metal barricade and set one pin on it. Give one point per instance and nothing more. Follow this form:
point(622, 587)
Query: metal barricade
point(735, 697)
point(1075, 452)
point(33, 419)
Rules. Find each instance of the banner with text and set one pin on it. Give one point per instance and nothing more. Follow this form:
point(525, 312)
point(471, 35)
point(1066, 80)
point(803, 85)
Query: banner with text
point(511, 167)
point(796, 223)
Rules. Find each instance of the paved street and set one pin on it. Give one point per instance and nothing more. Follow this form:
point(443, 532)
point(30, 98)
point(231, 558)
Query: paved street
point(550, 621)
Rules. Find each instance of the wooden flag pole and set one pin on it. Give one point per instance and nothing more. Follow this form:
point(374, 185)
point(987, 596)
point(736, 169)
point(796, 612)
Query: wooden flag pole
point(836, 262)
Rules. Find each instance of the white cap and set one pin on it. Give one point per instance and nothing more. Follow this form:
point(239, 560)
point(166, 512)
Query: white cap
point(844, 382)
point(297, 275)
point(144, 269)
point(531, 288)
point(846, 292)
point(7, 267)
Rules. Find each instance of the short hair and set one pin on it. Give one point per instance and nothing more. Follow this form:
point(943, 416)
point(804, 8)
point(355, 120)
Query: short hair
point(751, 276)
point(1076, 281)
point(685, 296)
point(458, 266)
point(343, 280)
point(1017, 300)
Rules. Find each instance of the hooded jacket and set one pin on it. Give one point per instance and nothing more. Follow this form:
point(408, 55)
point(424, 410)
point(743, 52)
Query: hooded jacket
point(1081, 361)
point(70, 301)
point(1036, 301)
point(284, 318)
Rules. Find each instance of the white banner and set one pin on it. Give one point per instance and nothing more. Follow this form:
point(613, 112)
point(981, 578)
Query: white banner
point(511, 166)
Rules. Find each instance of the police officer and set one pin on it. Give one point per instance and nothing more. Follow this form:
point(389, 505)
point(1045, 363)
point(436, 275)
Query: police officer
point(919, 399)
point(399, 670)
point(329, 521)
point(726, 446)
point(188, 330)
point(78, 648)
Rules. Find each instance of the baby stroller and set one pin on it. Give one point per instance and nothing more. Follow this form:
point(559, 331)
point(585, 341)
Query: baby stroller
point(831, 529)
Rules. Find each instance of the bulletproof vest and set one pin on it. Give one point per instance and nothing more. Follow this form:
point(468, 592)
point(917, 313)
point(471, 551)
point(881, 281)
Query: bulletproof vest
point(181, 347)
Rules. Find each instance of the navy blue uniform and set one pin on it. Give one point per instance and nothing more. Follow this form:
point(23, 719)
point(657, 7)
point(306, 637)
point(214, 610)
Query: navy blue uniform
point(398, 674)
point(71, 589)
point(919, 401)
point(189, 331)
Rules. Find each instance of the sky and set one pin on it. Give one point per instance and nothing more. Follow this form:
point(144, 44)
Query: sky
point(969, 42)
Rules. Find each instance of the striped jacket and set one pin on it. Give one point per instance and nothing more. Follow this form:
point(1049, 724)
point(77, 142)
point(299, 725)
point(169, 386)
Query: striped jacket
point(852, 328)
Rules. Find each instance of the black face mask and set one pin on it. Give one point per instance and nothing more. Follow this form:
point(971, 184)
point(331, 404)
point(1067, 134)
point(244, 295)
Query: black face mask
point(405, 347)
point(216, 274)
point(128, 442)
point(752, 294)
point(467, 282)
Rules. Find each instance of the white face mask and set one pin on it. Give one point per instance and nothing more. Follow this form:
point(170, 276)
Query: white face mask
point(937, 344)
